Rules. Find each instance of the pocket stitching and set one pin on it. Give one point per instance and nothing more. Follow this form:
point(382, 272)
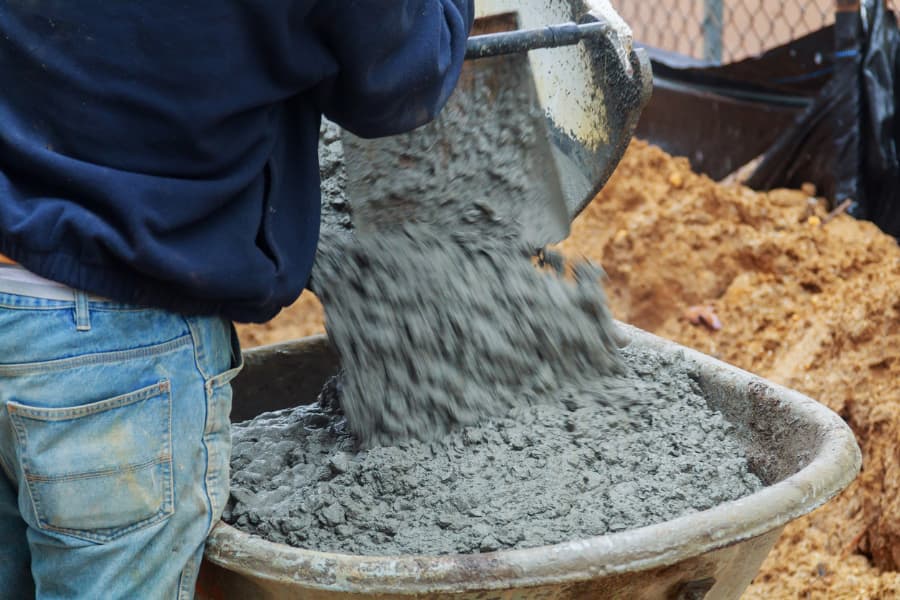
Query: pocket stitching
point(165, 458)
point(85, 410)
point(167, 507)
point(97, 358)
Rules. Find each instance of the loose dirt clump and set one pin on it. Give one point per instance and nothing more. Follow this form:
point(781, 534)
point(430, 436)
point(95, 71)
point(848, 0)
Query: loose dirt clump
point(804, 300)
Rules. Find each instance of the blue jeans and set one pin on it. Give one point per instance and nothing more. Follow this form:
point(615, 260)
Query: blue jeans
point(114, 447)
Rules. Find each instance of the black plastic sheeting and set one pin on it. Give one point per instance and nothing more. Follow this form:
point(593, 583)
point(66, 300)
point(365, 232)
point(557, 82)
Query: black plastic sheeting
point(880, 178)
point(723, 116)
point(822, 146)
point(820, 109)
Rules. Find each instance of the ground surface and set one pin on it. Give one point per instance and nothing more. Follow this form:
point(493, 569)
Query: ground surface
point(805, 301)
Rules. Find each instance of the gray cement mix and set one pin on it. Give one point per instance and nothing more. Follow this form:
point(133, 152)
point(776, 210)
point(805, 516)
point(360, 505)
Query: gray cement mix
point(484, 402)
point(616, 453)
point(336, 213)
point(491, 138)
point(439, 330)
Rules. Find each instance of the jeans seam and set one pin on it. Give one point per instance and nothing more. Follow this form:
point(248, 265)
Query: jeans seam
point(93, 359)
point(17, 302)
point(187, 575)
point(67, 306)
point(61, 306)
point(170, 499)
point(199, 349)
point(211, 476)
point(199, 356)
point(214, 472)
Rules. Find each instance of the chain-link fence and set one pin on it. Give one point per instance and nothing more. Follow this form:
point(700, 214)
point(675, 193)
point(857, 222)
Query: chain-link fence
point(723, 31)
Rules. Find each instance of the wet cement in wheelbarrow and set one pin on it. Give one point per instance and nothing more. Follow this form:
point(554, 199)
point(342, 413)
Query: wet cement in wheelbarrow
point(623, 452)
point(484, 404)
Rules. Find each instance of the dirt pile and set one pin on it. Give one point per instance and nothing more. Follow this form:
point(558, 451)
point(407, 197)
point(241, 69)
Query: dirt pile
point(813, 306)
point(808, 302)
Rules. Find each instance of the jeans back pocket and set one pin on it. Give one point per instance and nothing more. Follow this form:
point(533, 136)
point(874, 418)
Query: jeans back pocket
point(98, 471)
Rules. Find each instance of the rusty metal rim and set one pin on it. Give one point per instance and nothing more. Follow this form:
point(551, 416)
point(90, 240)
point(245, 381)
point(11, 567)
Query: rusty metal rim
point(835, 464)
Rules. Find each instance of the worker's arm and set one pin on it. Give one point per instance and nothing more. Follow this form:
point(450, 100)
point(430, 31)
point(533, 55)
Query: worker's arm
point(398, 61)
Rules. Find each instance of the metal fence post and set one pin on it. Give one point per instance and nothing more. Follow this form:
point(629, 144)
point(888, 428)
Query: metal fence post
point(713, 15)
point(848, 33)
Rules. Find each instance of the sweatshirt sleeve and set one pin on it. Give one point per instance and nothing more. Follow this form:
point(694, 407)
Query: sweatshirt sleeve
point(398, 61)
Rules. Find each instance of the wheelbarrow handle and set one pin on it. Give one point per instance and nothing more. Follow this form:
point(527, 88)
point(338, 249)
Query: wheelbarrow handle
point(523, 40)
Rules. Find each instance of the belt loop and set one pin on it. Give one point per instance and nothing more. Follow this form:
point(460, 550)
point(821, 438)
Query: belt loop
point(82, 312)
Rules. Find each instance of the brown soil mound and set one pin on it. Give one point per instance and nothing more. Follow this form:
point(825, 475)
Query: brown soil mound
point(303, 318)
point(804, 300)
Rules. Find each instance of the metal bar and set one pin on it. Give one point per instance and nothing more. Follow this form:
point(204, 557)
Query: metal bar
point(552, 36)
point(713, 16)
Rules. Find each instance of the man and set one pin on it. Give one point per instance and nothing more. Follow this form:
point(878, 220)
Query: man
point(158, 179)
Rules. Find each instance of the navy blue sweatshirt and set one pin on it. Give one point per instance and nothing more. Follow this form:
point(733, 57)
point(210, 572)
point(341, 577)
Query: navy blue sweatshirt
point(165, 153)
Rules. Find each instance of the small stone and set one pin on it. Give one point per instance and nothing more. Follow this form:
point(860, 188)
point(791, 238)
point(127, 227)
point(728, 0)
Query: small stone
point(489, 544)
point(333, 514)
point(339, 463)
point(344, 531)
point(676, 180)
point(618, 526)
point(244, 496)
point(444, 521)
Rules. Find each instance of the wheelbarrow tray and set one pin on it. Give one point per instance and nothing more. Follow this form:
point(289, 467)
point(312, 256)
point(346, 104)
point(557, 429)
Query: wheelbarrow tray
point(803, 451)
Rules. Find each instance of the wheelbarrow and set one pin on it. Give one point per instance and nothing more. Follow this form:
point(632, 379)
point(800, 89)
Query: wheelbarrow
point(803, 452)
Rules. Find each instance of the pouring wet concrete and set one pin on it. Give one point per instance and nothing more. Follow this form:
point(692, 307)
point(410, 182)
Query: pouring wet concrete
point(625, 451)
point(438, 330)
point(484, 401)
point(484, 404)
point(336, 214)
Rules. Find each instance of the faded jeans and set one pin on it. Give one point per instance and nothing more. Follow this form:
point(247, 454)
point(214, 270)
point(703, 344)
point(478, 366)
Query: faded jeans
point(114, 447)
